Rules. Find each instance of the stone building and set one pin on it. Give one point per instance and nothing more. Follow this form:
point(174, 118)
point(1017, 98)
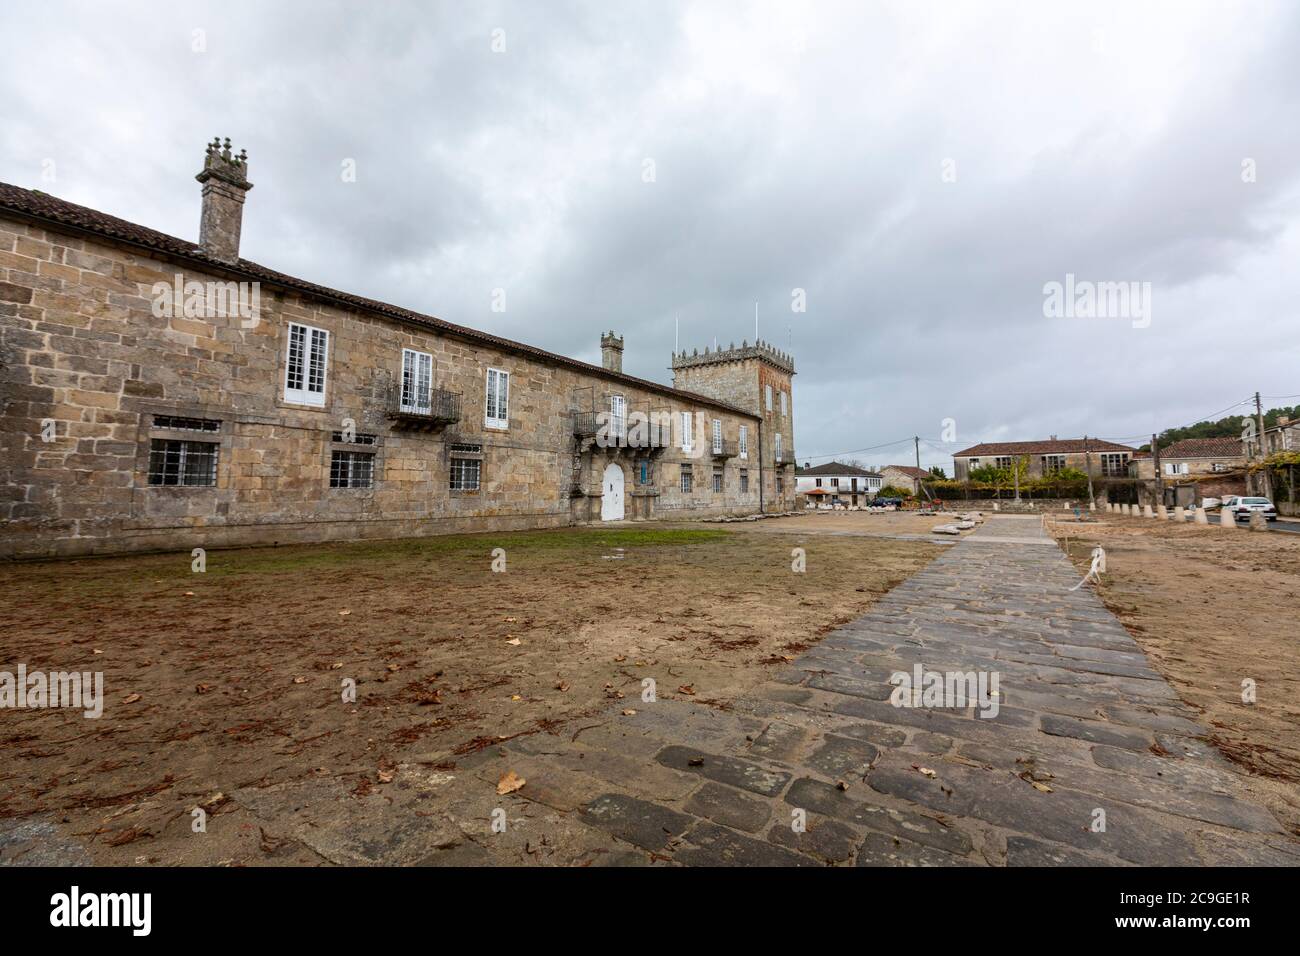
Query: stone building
point(1108, 459)
point(757, 378)
point(908, 477)
point(158, 394)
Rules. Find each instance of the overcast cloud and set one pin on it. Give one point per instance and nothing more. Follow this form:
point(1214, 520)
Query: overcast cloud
point(794, 146)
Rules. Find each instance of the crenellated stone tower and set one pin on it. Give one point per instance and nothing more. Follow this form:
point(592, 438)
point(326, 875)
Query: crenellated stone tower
point(756, 378)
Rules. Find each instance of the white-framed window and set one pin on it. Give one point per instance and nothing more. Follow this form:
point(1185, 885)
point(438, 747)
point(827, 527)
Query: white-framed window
point(687, 479)
point(835, 482)
point(777, 446)
point(497, 414)
point(744, 441)
point(306, 365)
point(783, 405)
point(1179, 468)
point(767, 396)
point(686, 431)
point(417, 381)
point(717, 436)
point(618, 417)
point(1220, 466)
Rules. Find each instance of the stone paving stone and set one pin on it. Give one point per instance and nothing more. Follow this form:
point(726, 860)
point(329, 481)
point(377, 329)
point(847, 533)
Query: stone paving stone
point(779, 741)
point(645, 824)
point(1096, 732)
point(853, 687)
point(928, 743)
point(824, 798)
point(729, 770)
point(1026, 851)
point(1064, 816)
point(712, 845)
point(826, 840)
point(881, 849)
point(843, 757)
point(874, 733)
point(729, 807)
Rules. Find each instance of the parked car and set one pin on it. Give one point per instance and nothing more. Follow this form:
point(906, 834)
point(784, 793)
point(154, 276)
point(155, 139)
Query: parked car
point(1209, 504)
point(1243, 507)
point(1230, 500)
point(886, 502)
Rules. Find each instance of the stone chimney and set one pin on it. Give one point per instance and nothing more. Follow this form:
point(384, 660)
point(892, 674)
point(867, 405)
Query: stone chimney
point(611, 351)
point(225, 181)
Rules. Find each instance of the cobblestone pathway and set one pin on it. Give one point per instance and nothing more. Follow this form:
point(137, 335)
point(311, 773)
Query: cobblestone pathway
point(1084, 726)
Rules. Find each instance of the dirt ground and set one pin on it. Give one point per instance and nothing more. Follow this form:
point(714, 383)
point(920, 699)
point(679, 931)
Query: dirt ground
point(862, 522)
point(232, 678)
point(1213, 607)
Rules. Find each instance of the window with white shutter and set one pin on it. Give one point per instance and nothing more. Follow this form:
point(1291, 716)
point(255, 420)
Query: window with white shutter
point(744, 441)
point(498, 399)
point(618, 417)
point(767, 393)
point(717, 436)
point(686, 431)
point(417, 381)
point(783, 406)
point(306, 365)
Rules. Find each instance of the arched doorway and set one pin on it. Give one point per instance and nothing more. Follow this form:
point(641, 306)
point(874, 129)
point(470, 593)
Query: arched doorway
point(611, 494)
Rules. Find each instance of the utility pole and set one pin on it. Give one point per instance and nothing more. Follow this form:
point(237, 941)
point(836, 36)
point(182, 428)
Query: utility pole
point(917, 441)
point(1160, 481)
point(1262, 483)
point(1087, 458)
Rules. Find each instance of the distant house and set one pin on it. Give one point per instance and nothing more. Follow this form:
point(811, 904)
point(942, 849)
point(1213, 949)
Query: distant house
point(1284, 436)
point(1202, 456)
point(1109, 460)
point(905, 476)
point(838, 483)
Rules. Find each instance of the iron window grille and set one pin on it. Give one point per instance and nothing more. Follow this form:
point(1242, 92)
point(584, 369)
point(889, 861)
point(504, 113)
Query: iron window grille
point(352, 469)
point(687, 479)
point(177, 423)
point(173, 462)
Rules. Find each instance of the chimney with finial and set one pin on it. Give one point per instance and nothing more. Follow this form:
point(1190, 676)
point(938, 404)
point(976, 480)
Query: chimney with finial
point(225, 181)
point(611, 351)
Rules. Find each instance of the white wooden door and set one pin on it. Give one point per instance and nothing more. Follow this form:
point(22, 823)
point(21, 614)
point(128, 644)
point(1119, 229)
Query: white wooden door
point(611, 501)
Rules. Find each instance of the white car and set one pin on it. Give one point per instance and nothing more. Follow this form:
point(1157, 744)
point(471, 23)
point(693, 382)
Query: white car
point(1242, 508)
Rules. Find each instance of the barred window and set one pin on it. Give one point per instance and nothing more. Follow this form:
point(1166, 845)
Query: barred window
point(717, 482)
point(687, 479)
point(744, 481)
point(352, 469)
point(176, 423)
point(465, 474)
point(466, 449)
point(356, 439)
point(182, 462)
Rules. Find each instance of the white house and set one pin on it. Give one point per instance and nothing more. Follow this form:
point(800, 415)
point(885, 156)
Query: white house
point(838, 483)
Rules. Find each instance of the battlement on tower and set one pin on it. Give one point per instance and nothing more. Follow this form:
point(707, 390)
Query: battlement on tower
point(761, 350)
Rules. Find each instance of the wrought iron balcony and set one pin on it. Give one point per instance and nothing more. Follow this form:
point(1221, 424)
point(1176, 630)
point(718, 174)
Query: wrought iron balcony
point(786, 457)
point(584, 424)
point(724, 449)
point(439, 408)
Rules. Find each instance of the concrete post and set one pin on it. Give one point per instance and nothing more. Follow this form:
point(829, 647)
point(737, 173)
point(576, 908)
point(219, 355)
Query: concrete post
point(1226, 518)
point(1162, 512)
point(1201, 517)
point(1258, 522)
point(1147, 512)
point(1179, 514)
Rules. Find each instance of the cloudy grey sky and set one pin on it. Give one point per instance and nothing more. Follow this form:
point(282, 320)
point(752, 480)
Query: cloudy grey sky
point(922, 170)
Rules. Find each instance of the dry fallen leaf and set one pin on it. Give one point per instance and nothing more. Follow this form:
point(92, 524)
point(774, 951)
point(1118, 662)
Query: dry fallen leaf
point(510, 782)
point(562, 686)
point(300, 680)
point(131, 700)
point(514, 641)
point(344, 613)
point(202, 688)
point(509, 620)
point(924, 770)
point(515, 697)
point(686, 689)
point(1041, 787)
point(385, 776)
point(629, 713)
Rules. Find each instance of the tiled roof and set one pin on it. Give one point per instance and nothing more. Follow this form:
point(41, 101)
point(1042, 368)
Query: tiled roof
point(836, 469)
point(911, 471)
point(1062, 446)
point(1204, 448)
point(59, 214)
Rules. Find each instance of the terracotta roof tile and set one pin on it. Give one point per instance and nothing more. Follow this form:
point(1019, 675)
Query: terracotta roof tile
point(1204, 448)
point(1060, 446)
